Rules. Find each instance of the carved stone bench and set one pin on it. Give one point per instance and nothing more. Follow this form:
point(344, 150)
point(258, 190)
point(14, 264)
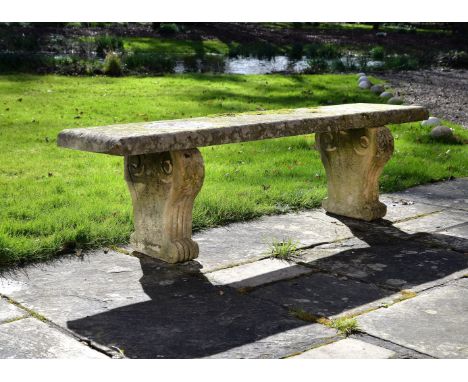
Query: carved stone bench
point(164, 169)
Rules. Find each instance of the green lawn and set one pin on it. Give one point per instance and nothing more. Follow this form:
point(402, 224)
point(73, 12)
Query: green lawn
point(53, 199)
point(171, 46)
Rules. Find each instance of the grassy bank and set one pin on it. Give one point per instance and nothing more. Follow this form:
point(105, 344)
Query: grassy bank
point(54, 199)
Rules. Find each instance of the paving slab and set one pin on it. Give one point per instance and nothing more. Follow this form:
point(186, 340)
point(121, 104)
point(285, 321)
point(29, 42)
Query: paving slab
point(257, 273)
point(452, 193)
point(9, 312)
point(282, 344)
point(455, 237)
point(31, 338)
point(150, 309)
point(399, 209)
point(393, 265)
point(241, 243)
point(434, 222)
point(434, 322)
point(348, 348)
point(74, 287)
point(383, 254)
point(193, 319)
point(324, 295)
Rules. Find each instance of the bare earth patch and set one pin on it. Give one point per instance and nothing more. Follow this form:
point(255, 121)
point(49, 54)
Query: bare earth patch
point(443, 92)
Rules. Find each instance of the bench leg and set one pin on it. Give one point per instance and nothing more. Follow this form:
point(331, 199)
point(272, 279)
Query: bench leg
point(353, 161)
point(163, 187)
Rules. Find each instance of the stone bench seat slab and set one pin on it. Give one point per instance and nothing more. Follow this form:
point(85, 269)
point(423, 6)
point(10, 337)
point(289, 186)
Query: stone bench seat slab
point(171, 135)
point(164, 169)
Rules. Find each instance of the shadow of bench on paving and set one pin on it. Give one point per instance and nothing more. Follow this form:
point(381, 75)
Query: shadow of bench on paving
point(188, 317)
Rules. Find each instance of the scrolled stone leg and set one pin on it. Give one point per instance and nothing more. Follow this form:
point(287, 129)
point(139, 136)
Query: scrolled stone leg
point(354, 160)
point(163, 187)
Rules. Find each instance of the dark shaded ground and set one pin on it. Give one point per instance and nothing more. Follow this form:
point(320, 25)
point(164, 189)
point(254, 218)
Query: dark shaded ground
point(443, 92)
point(393, 41)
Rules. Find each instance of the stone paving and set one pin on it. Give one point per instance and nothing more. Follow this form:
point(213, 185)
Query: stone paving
point(403, 279)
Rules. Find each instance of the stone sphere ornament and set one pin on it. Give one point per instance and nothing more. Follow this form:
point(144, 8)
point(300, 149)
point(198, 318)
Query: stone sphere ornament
point(365, 85)
point(441, 132)
point(386, 95)
point(432, 121)
point(363, 78)
point(377, 89)
point(395, 101)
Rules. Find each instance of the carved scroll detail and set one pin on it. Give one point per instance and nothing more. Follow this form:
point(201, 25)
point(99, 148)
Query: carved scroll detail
point(163, 187)
point(354, 160)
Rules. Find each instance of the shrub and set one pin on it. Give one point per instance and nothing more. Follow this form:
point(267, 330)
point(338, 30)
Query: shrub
point(25, 62)
point(191, 63)
point(363, 60)
point(21, 42)
point(213, 63)
point(296, 52)
point(317, 65)
point(377, 53)
point(401, 62)
point(454, 59)
point(112, 65)
point(327, 51)
point(258, 49)
point(106, 43)
point(150, 62)
point(168, 29)
point(338, 66)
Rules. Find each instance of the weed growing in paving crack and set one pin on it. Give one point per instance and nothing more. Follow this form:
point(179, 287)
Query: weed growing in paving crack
point(283, 250)
point(345, 325)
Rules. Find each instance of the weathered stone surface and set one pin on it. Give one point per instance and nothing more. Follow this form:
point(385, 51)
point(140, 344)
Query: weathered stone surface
point(434, 322)
point(31, 338)
point(241, 243)
point(402, 209)
point(163, 188)
point(388, 257)
point(454, 237)
point(162, 136)
point(348, 348)
point(353, 161)
point(433, 222)
point(191, 319)
point(9, 312)
point(72, 288)
point(441, 132)
point(282, 344)
point(151, 309)
point(324, 295)
point(446, 194)
point(257, 273)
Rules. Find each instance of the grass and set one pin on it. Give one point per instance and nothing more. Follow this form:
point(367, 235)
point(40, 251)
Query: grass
point(283, 250)
point(345, 325)
point(173, 46)
point(53, 200)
